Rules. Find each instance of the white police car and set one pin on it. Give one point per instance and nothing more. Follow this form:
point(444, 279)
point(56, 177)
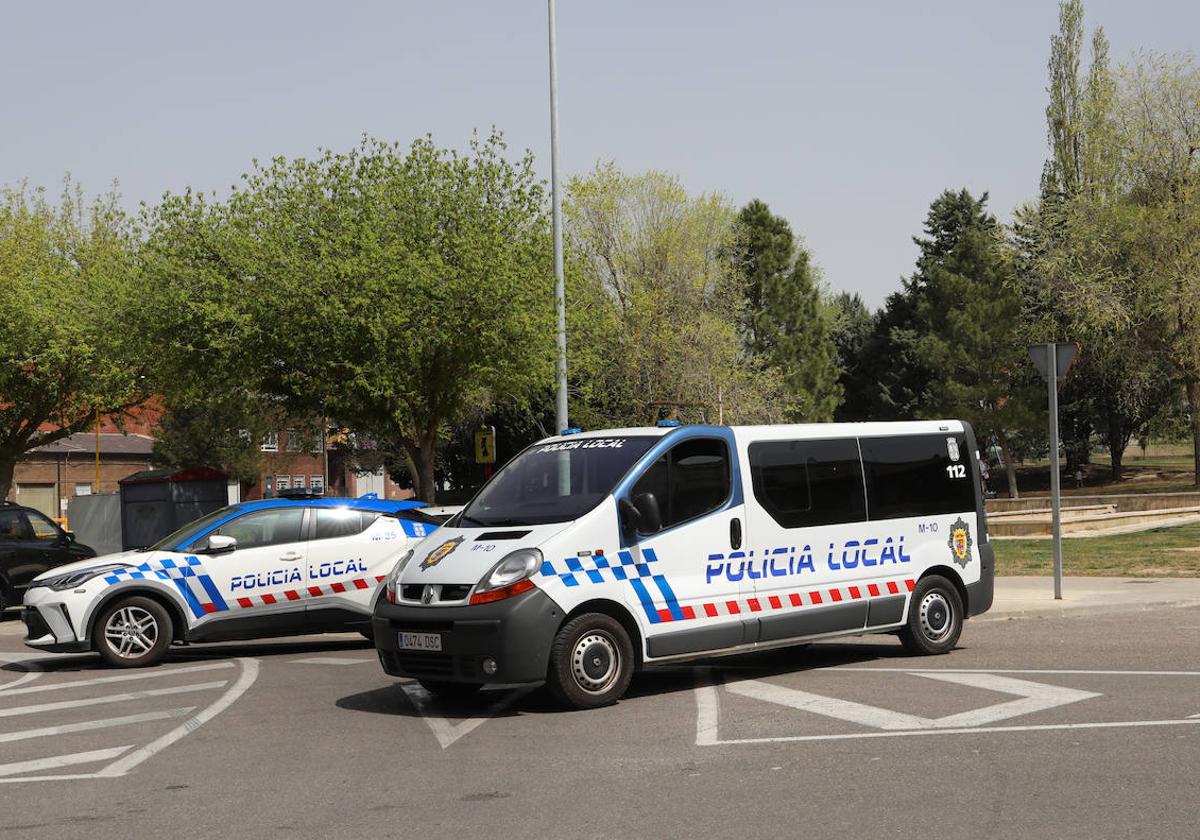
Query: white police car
point(592, 554)
point(269, 568)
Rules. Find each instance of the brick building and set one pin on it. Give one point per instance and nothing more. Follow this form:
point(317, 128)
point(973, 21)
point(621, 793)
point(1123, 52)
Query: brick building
point(48, 476)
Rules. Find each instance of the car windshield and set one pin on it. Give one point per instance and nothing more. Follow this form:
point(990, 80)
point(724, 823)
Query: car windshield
point(193, 527)
point(554, 482)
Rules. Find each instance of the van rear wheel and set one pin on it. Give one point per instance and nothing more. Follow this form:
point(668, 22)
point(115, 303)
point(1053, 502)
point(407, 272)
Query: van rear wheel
point(591, 662)
point(935, 617)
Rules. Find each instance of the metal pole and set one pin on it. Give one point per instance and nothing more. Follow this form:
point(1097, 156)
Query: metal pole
point(1055, 500)
point(560, 296)
point(97, 452)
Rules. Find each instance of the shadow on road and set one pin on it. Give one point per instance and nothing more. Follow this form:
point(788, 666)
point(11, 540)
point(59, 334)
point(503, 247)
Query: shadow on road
point(653, 682)
point(87, 662)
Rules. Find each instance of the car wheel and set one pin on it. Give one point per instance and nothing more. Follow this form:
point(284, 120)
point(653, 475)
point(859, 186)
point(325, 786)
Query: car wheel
point(451, 690)
point(591, 662)
point(133, 632)
point(935, 617)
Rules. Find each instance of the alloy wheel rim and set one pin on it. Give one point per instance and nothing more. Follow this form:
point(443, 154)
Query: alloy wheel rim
point(131, 632)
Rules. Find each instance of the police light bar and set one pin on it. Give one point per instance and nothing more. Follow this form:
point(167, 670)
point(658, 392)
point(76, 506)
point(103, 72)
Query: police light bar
point(668, 424)
point(571, 431)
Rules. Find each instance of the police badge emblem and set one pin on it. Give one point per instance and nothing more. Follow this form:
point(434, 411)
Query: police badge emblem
point(952, 448)
point(960, 542)
point(434, 557)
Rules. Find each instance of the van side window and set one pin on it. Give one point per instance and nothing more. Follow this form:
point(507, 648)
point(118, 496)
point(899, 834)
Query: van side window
point(803, 483)
point(690, 480)
point(918, 475)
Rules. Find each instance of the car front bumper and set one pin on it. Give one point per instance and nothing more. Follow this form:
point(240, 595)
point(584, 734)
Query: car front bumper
point(48, 628)
point(515, 634)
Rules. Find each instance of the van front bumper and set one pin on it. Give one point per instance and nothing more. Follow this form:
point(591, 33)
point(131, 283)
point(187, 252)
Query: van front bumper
point(515, 634)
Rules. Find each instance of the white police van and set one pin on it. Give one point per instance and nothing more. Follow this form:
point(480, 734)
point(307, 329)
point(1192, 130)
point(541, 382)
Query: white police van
point(592, 554)
point(269, 568)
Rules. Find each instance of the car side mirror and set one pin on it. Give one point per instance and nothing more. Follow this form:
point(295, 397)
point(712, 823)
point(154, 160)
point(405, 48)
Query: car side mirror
point(220, 544)
point(630, 518)
point(68, 536)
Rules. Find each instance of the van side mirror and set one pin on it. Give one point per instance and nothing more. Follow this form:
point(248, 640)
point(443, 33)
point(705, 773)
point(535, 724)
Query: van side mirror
point(642, 515)
point(220, 544)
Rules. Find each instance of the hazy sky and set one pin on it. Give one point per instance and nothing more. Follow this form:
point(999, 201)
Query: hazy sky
point(846, 117)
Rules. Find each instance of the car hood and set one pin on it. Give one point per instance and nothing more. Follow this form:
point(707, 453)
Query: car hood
point(464, 555)
point(129, 558)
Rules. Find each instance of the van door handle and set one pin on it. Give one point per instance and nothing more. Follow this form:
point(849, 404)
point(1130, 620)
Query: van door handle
point(291, 555)
point(735, 533)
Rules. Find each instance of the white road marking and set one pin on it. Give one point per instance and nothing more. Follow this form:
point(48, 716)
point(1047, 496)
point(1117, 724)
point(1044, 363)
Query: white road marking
point(111, 698)
point(1034, 697)
point(1114, 724)
point(1046, 671)
point(445, 731)
point(240, 686)
point(57, 761)
point(708, 708)
point(32, 671)
point(141, 675)
point(332, 660)
point(89, 725)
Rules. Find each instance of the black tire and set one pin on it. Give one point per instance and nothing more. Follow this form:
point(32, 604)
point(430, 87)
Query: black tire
point(591, 662)
point(935, 617)
point(132, 632)
point(451, 690)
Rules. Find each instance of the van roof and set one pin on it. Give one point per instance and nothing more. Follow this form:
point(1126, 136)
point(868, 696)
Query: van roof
point(785, 430)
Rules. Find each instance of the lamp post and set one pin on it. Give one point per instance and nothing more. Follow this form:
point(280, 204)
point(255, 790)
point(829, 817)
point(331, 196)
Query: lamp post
point(560, 297)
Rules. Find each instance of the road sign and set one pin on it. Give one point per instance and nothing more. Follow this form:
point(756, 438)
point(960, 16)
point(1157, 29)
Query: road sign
point(1064, 351)
point(1057, 358)
point(485, 445)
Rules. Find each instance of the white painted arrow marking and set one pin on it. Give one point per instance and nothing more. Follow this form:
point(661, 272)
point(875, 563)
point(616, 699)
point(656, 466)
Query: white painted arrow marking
point(1034, 697)
point(444, 730)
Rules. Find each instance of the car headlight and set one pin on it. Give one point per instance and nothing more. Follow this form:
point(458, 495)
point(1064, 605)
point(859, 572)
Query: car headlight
point(72, 579)
point(391, 582)
point(511, 576)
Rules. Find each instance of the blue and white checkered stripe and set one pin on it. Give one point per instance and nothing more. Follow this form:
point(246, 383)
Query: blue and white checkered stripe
point(189, 577)
point(598, 568)
point(594, 568)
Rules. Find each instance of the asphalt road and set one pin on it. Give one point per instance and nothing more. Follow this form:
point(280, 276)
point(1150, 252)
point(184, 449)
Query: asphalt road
point(1037, 727)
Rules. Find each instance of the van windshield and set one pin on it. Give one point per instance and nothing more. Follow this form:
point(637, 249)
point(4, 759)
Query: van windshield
point(555, 482)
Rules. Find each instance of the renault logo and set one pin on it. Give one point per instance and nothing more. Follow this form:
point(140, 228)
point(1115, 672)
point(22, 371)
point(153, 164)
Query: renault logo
point(429, 594)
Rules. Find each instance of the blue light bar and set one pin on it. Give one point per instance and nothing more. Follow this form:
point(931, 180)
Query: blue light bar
point(570, 431)
point(668, 424)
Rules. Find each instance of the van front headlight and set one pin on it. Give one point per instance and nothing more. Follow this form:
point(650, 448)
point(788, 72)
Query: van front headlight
point(511, 576)
point(392, 581)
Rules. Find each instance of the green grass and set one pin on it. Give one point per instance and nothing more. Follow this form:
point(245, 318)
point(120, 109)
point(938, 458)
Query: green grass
point(1162, 552)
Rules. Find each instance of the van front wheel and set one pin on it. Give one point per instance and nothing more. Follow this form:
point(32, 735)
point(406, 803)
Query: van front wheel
point(591, 662)
point(935, 617)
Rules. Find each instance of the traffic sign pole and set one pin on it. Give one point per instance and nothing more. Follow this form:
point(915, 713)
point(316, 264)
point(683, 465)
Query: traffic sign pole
point(1055, 489)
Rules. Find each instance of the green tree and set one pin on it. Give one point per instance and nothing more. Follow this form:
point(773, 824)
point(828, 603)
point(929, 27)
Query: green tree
point(393, 290)
point(854, 325)
point(656, 306)
point(788, 322)
point(970, 312)
point(72, 344)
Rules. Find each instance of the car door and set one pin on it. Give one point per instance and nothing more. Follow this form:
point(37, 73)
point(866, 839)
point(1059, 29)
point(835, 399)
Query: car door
point(49, 546)
point(691, 584)
point(263, 576)
point(19, 563)
point(349, 553)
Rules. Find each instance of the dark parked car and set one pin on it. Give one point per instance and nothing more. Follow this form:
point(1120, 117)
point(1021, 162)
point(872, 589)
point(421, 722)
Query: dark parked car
point(31, 543)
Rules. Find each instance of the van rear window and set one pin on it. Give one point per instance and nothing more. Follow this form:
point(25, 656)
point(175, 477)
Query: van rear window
point(918, 475)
